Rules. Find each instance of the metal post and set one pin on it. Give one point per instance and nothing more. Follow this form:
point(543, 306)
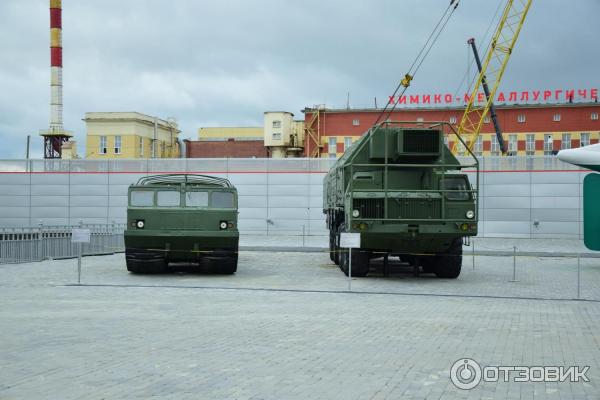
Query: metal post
point(473, 253)
point(514, 278)
point(79, 263)
point(79, 253)
point(350, 269)
point(303, 230)
point(578, 276)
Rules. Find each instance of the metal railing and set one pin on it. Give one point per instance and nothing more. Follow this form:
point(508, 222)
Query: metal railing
point(19, 245)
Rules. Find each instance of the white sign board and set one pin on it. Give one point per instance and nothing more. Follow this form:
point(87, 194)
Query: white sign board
point(349, 239)
point(79, 235)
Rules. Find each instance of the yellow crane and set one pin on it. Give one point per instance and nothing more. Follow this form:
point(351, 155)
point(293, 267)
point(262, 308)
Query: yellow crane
point(490, 74)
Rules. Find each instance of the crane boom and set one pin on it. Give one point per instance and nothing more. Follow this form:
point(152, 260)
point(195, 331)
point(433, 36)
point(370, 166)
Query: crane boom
point(492, 70)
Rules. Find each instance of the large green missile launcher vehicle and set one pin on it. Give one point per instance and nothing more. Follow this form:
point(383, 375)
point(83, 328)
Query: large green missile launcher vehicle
point(181, 218)
point(402, 189)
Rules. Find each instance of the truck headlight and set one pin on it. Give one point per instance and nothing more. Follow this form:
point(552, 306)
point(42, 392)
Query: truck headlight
point(140, 224)
point(470, 214)
point(223, 225)
point(355, 213)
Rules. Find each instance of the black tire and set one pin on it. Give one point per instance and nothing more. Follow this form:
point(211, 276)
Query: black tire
point(336, 248)
point(229, 265)
point(360, 262)
point(331, 246)
point(145, 267)
point(449, 264)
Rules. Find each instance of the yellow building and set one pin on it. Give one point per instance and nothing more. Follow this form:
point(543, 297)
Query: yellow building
point(130, 135)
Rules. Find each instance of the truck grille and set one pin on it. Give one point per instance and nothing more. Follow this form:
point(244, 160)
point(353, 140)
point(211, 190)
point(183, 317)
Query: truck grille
point(415, 208)
point(421, 141)
point(369, 208)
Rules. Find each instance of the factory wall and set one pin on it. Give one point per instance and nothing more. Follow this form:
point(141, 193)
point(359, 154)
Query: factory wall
point(539, 120)
point(535, 197)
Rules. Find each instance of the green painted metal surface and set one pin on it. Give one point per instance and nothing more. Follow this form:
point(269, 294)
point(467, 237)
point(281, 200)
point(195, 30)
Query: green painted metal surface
point(591, 211)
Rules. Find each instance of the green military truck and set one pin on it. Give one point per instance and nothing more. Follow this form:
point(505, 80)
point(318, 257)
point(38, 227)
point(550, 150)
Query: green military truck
point(402, 189)
point(181, 218)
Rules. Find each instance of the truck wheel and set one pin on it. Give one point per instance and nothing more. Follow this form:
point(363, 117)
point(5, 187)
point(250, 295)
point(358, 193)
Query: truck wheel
point(360, 263)
point(331, 246)
point(336, 248)
point(448, 264)
point(141, 267)
point(229, 265)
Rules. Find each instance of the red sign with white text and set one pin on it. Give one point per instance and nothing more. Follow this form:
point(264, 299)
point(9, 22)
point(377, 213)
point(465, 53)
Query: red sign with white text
point(513, 97)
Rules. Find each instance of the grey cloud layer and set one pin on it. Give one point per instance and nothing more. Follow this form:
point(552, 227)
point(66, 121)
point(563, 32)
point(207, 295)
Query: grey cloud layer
point(211, 63)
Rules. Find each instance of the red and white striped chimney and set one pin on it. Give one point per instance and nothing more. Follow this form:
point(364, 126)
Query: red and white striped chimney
point(56, 89)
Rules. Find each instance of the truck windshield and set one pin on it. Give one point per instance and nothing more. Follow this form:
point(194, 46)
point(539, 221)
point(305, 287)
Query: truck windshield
point(459, 184)
point(196, 199)
point(222, 200)
point(142, 198)
point(168, 198)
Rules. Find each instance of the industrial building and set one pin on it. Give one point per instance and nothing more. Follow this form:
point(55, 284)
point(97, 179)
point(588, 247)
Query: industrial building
point(280, 137)
point(130, 135)
point(224, 142)
point(541, 129)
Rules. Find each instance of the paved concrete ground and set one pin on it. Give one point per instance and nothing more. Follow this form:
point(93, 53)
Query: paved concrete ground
point(487, 246)
point(283, 328)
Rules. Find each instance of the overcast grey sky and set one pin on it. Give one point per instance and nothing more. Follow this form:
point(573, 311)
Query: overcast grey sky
point(224, 63)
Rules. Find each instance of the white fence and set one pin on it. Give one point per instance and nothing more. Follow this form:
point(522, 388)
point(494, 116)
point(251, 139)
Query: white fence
point(48, 242)
point(520, 196)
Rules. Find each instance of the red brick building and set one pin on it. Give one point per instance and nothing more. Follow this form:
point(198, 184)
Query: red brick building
point(527, 129)
point(225, 149)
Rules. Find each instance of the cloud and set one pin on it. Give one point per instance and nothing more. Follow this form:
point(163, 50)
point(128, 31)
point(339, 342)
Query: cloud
point(225, 63)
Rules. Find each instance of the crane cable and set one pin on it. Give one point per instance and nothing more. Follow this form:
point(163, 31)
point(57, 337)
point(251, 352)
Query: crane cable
point(416, 65)
point(471, 62)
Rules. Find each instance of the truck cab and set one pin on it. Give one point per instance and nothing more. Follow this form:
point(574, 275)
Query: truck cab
point(181, 218)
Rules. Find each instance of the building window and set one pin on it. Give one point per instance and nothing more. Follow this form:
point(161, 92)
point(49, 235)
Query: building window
point(117, 144)
point(594, 116)
point(521, 118)
point(512, 144)
point(585, 139)
point(141, 146)
point(347, 143)
point(453, 120)
point(102, 149)
point(487, 119)
point(556, 117)
point(277, 136)
point(479, 145)
point(530, 144)
point(332, 146)
point(495, 146)
point(548, 145)
point(276, 124)
point(566, 141)
point(355, 122)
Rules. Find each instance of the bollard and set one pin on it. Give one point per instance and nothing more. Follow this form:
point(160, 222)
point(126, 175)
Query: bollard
point(578, 276)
